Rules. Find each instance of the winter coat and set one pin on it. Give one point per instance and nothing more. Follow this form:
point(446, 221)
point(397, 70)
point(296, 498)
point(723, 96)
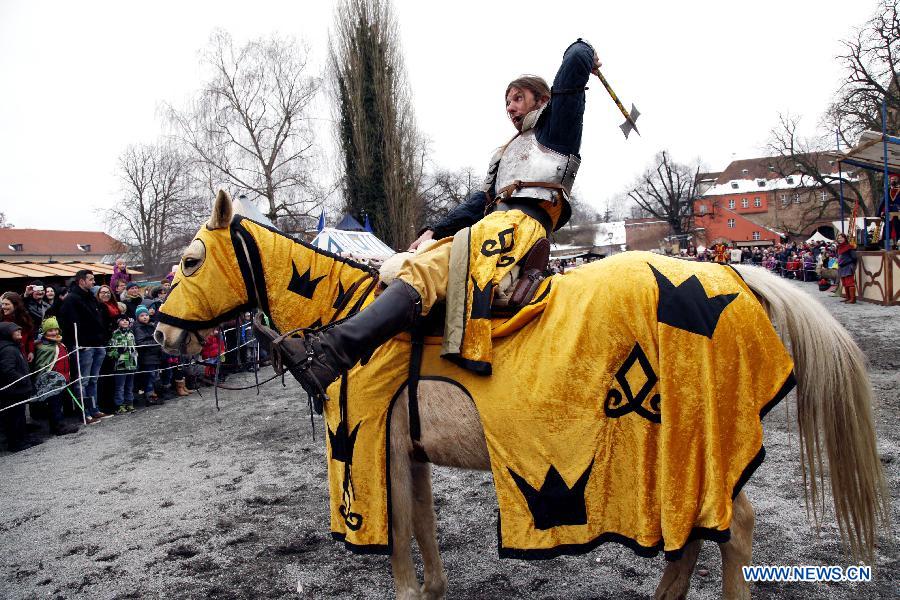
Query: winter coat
point(131, 305)
point(12, 367)
point(149, 352)
point(48, 352)
point(81, 307)
point(26, 346)
point(37, 309)
point(846, 260)
point(122, 351)
point(212, 348)
point(110, 312)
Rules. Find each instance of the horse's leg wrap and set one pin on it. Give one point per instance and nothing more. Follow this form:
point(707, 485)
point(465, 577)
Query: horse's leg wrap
point(318, 359)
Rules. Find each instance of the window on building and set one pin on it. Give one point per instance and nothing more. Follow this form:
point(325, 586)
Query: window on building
point(785, 200)
point(731, 203)
point(790, 181)
point(757, 202)
point(824, 196)
point(745, 203)
point(731, 223)
point(734, 185)
point(796, 198)
point(702, 209)
point(761, 182)
point(755, 235)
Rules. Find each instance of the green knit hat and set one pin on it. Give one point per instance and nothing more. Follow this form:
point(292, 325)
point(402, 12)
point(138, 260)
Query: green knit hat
point(50, 323)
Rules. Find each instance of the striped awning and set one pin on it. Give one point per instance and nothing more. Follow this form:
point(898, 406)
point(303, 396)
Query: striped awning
point(36, 270)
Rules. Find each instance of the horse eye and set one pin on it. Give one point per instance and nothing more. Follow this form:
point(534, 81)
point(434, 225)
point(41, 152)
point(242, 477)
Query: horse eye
point(189, 266)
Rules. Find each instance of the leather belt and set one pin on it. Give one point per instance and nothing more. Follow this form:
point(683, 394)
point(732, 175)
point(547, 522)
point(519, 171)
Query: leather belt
point(529, 208)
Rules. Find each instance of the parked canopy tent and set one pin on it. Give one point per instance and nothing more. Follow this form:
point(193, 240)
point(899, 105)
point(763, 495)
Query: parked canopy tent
point(357, 244)
point(818, 237)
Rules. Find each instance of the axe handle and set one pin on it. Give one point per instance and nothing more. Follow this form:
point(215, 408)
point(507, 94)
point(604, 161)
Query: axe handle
point(612, 95)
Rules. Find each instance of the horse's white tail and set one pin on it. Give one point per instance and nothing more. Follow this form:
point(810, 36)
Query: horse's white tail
point(834, 410)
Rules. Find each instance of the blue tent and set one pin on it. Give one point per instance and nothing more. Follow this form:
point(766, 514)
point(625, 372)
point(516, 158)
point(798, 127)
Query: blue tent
point(348, 223)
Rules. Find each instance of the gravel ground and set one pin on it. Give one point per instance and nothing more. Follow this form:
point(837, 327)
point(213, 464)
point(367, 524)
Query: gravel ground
point(183, 501)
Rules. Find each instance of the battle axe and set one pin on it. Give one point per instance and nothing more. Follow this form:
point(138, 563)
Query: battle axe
point(631, 117)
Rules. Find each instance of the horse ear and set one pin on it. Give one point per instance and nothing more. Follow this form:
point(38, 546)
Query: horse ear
point(222, 212)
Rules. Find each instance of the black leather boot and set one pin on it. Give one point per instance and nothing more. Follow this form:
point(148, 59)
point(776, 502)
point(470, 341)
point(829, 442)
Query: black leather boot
point(318, 359)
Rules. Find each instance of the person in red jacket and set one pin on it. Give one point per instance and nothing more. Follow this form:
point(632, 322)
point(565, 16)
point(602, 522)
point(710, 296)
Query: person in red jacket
point(211, 352)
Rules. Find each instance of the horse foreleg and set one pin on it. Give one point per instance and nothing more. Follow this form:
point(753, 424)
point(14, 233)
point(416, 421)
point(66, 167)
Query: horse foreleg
point(405, 583)
point(425, 528)
point(676, 579)
point(738, 551)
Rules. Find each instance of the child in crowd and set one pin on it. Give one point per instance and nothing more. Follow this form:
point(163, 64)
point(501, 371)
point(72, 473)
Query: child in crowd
point(123, 353)
point(149, 356)
point(211, 353)
point(50, 350)
point(14, 373)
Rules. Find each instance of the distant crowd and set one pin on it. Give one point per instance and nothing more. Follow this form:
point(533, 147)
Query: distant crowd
point(118, 366)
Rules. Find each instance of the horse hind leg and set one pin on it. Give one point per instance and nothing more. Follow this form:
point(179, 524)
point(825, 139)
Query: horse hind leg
point(738, 551)
point(425, 528)
point(676, 579)
point(403, 568)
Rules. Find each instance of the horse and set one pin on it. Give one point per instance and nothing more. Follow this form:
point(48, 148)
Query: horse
point(224, 271)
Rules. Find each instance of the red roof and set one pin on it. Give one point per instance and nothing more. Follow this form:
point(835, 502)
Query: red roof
point(57, 243)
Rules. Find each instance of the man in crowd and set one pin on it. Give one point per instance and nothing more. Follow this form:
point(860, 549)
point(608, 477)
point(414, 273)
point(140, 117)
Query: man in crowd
point(82, 310)
point(36, 302)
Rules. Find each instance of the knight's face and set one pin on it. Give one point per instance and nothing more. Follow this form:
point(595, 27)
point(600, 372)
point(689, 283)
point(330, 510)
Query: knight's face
point(519, 103)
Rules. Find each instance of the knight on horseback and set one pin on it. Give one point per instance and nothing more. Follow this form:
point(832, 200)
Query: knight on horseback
point(524, 198)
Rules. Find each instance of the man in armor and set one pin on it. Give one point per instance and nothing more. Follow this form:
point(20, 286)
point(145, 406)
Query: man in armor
point(524, 198)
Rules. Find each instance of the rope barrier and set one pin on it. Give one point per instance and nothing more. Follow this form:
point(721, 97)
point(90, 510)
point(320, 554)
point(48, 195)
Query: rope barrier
point(82, 378)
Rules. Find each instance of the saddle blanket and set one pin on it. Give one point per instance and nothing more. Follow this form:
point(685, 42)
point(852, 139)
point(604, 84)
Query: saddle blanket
point(628, 410)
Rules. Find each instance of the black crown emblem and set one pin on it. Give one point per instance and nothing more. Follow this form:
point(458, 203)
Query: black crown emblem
point(555, 503)
point(687, 306)
point(302, 284)
point(342, 442)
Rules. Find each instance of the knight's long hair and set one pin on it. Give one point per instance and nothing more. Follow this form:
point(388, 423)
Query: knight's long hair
point(834, 411)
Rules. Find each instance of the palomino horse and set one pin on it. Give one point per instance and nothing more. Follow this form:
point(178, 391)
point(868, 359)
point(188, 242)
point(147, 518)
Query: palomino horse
point(224, 271)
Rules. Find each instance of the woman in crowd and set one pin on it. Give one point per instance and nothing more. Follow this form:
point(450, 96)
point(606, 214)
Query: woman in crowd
point(13, 309)
point(111, 309)
point(847, 268)
point(54, 299)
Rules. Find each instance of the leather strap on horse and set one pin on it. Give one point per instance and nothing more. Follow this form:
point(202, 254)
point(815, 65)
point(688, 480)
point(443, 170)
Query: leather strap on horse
point(412, 392)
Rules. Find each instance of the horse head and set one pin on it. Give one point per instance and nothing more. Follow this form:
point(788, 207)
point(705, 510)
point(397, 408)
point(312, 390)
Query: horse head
point(208, 288)
point(236, 263)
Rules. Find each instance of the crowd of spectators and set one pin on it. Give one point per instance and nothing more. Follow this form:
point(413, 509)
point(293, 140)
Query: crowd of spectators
point(118, 366)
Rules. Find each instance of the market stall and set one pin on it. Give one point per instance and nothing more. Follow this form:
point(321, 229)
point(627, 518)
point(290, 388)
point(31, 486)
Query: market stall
point(878, 265)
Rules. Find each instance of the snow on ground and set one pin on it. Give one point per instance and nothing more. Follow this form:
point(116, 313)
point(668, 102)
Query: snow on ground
point(182, 501)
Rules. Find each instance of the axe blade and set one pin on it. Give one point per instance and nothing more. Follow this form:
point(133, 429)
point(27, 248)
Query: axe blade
point(630, 122)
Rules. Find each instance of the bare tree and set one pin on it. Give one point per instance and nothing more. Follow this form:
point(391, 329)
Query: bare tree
point(250, 123)
point(667, 191)
point(158, 212)
point(383, 155)
point(4, 224)
point(870, 60)
point(443, 190)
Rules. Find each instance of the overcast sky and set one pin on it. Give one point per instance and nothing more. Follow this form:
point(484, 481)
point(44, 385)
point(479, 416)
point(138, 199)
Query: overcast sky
point(83, 80)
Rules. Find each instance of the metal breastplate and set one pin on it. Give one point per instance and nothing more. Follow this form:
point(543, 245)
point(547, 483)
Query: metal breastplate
point(526, 160)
